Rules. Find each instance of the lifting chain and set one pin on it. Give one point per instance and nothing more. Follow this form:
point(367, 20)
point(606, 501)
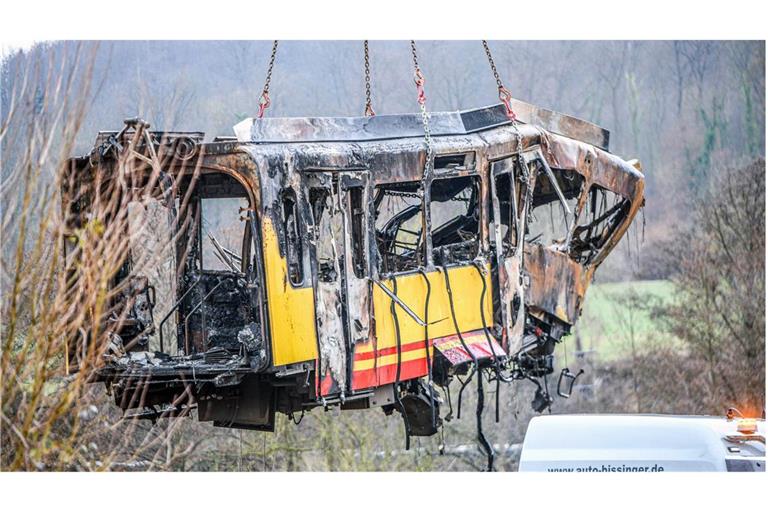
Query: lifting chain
point(422, 99)
point(399, 193)
point(264, 100)
point(504, 95)
point(368, 103)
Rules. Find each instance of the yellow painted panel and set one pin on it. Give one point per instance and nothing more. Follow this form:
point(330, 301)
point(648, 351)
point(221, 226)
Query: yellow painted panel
point(467, 288)
point(291, 310)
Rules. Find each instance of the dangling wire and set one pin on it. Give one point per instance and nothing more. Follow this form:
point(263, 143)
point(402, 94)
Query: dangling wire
point(264, 100)
point(546, 392)
point(464, 384)
point(447, 390)
point(496, 366)
point(426, 347)
point(421, 98)
point(484, 444)
point(368, 103)
point(396, 384)
point(292, 417)
point(504, 95)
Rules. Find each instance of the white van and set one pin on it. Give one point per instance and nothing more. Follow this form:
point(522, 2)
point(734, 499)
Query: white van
point(587, 443)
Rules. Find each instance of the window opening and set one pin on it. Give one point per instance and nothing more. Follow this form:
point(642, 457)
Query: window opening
point(455, 218)
point(399, 227)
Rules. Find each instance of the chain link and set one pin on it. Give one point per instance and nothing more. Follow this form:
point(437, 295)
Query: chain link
point(493, 65)
point(264, 100)
point(422, 99)
point(399, 193)
point(504, 95)
point(368, 103)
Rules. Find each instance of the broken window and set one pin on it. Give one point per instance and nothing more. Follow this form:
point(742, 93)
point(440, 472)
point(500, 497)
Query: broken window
point(602, 213)
point(357, 217)
point(399, 226)
point(223, 229)
point(329, 232)
point(506, 189)
point(153, 266)
point(217, 312)
point(455, 219)
point(456, 161)
point(549, 220)
point(294, 249)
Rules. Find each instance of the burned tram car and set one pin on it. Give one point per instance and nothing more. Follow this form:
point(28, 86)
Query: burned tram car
point(313, 262)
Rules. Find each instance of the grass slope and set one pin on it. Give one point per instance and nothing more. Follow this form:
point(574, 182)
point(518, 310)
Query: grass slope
point(616, 317)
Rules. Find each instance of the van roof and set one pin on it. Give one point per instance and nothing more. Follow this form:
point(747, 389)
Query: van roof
point(614, 442)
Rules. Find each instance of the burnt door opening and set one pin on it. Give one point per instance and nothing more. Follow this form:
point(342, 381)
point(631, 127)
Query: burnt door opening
point(152, 280)
point(338, 203)
point(220, 313)
point(548, 237)
point(145, 281)
point(509, 206)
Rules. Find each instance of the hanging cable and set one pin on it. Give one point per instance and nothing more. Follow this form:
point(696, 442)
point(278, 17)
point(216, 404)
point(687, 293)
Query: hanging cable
point(396, 384)
point(504, 95)
point(426, 347)
point(264, 100)
point(464, 384)
point(292, 417)
point(496, 367)
point(479, 417)
point(368, 103)
point(471, 354)
point(486, 446)
point(447, 389)
point(498, 394)
point(421, 98)
point(565, 355)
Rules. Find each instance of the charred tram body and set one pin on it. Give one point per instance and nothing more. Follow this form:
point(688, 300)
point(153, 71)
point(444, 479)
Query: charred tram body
point(312, 262)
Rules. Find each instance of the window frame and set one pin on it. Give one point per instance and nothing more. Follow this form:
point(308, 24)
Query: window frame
point(511, 170)
point(286, 195)
point(422, 238)
point(477, 191)
point(245, 252)
point(358, 228)
point(621, 203)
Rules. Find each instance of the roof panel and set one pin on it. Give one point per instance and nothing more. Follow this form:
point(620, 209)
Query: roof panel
point(394, 126)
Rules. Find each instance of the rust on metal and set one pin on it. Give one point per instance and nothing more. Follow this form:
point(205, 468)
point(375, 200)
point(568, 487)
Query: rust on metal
point(311, 261)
